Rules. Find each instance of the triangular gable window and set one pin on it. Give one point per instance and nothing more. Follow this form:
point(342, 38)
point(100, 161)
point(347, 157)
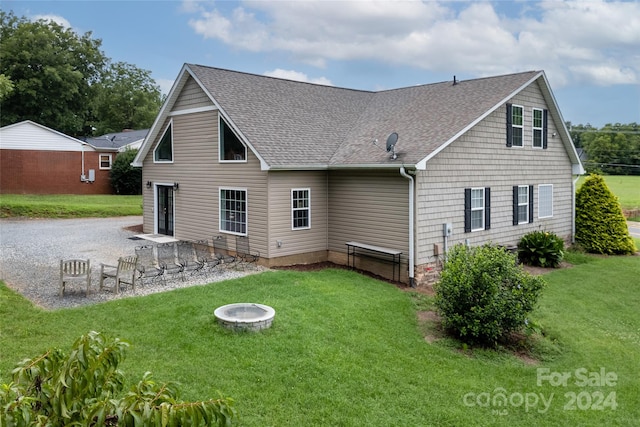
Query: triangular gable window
point(164, 149)
point(231, 148)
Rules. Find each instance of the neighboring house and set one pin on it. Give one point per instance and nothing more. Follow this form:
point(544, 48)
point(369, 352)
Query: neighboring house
point(35, 159)
point(119, 141)
point(302, 168)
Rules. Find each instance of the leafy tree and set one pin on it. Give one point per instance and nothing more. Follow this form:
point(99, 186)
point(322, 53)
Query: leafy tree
point(614, 149)
point(84, 388)
point(600, 225)
point(53, 71)
point(128, 98)
point(61, 79)
point(6, 87)
point(483, 294)
point(125, 179)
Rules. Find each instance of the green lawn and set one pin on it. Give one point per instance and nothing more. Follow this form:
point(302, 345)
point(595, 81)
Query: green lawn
point(68, 205)
point(626, 188)
point(348, 350)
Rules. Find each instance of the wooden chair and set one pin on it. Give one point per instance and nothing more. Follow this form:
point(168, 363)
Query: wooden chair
point(74, 270)
point(124, 272)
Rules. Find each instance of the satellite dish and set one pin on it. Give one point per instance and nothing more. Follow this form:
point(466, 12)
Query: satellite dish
point(391, 141)
point(391, 144)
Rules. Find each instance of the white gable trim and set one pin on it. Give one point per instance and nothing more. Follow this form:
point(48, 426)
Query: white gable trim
point(165, 112)
point(192, 111)
point(553, 110)
point(422, 164)
point(263, 164)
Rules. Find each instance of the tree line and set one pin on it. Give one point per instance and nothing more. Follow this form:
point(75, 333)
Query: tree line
point(61, 79)
point(614, 149)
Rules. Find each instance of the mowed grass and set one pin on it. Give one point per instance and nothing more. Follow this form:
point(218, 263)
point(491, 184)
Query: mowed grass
point(348, 350)
point(625, 187)
point(68, 205)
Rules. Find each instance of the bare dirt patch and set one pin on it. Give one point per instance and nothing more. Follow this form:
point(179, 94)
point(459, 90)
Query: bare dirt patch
point(135, 228)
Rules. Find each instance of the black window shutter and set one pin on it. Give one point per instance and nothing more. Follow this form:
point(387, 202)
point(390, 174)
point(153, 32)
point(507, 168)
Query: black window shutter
point(487, 208)
point(515, 205)
point(509, 128)
point(467, 210)
point(544, 128)
point(531, 203)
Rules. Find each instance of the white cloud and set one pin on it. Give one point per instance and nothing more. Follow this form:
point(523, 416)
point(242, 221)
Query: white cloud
point(297, 76)
point(586, 41)
point(52, 18)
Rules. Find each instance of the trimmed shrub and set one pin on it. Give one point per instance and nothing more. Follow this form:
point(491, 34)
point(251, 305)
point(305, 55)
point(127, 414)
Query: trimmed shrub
point(601, 227)
point(483, 294)
point(541, 249)
point(125, 179)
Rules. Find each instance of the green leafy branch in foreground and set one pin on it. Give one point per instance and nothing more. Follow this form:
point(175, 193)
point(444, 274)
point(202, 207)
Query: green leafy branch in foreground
point(83, 389)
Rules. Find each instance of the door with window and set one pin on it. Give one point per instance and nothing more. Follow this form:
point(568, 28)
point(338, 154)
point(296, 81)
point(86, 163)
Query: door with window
point(165, 210)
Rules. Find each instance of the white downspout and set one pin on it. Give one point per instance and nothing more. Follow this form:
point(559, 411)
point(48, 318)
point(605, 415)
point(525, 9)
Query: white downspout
point(573, 208)
point(411, 226)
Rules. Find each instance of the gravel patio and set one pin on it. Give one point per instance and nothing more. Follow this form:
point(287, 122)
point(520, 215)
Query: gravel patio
point(31, 250)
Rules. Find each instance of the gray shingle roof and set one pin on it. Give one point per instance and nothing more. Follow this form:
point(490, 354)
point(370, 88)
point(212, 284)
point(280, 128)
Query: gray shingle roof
point(117, 139)
point(295, 124)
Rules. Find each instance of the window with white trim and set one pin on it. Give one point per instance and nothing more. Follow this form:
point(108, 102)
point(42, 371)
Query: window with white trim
point(515, 125)
point(233, 210)
point(477, 209)
point(300, 208)
point(538, 121)
point(545, 200)
point(231, 149)
point(523, 204)
point(164, 150)
point(105, 161)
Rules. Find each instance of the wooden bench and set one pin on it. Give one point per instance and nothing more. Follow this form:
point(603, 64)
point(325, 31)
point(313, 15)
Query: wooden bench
point(368, 250)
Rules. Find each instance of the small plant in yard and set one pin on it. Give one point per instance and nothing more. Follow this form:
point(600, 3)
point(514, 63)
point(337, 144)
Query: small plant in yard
point(84, 387)
point(601, 227)
point(541, 248)
point(483, 295)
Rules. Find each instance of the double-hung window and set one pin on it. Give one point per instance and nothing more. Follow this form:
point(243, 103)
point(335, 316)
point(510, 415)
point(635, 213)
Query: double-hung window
point(105, 161)
point(233, 210)
point(538, 119)
point(477, 209)
point(515, 125)
point(300, 208)
point(522, 204)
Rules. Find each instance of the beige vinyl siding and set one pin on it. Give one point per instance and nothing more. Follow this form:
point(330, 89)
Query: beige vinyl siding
point(191, 96)
point(369, 207)
point(480, 158)
point(297, 241)
point(200, 175)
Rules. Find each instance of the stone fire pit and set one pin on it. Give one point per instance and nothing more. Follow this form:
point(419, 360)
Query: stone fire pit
point(245, 316)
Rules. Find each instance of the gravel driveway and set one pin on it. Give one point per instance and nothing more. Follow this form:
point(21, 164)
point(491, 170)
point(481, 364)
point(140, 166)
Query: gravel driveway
point(31, 250)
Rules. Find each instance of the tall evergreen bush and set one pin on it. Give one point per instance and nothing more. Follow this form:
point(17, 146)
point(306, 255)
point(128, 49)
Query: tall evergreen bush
point(601, 227)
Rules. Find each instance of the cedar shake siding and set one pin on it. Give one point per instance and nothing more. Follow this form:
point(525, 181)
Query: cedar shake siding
point(480, 158)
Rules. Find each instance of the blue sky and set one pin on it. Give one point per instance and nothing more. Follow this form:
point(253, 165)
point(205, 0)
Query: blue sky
point(590, 50)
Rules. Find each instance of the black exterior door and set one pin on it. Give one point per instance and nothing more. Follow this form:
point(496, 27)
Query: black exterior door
point(165, 210)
